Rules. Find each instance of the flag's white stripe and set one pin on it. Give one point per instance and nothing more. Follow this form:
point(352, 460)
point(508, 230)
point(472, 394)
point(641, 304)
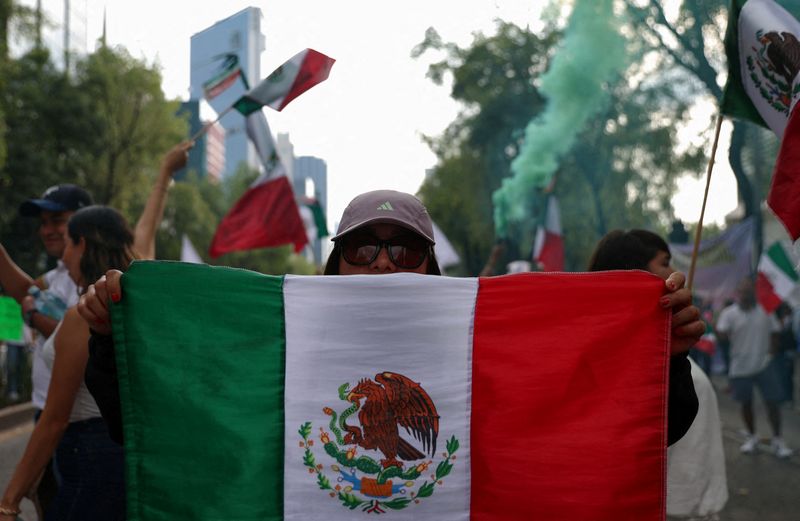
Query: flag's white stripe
point(273, 89)
point(553, 222)
point(765, 16)
point(261, 136)
point(188, 252)
point(782, 284)
point(355, 327)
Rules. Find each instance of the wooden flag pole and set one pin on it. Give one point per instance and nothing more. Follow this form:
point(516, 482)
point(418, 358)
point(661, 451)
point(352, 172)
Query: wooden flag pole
point(207, 126)
point(698, 233)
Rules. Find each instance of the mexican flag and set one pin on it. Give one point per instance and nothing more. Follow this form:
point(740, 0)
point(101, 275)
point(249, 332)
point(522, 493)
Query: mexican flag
point(763, 86)
point(777, 278)
point(301, 72)
point(548, 246)
point(267, 214)
point(313, 218)
point(255, 397)
point(761, 46)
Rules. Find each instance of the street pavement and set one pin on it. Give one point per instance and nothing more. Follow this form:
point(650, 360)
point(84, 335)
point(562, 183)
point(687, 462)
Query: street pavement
point(12, 445)
point(761, 486)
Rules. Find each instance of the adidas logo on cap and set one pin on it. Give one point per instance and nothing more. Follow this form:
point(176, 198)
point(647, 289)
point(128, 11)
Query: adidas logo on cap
point(386, 206)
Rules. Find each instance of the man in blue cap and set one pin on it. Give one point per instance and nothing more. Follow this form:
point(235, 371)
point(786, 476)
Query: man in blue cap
point(55, 289)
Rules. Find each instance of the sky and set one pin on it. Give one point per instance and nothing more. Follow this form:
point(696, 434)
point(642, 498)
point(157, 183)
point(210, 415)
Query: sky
point(367, 120)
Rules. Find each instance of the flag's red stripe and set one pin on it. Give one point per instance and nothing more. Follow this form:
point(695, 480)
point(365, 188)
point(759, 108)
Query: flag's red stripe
point(784, 194)
point(552, 254)
point(214, 91)
point(315, 69)
point(568, 418)
point(265, 216)
point(765, 294)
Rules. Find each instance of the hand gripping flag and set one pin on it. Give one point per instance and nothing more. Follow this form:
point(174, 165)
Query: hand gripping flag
point(507, 398)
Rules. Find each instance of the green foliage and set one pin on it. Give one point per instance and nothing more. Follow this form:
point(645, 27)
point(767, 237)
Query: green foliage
point(133, 125)
point(106, 128)
point(493, 79)
point(305, 430)
point(620, 173)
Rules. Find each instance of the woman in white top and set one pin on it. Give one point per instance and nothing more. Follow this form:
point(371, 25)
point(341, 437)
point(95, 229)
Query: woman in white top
point(89, 463)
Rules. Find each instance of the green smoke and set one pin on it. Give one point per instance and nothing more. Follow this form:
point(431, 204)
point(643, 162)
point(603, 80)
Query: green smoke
point(591, 54)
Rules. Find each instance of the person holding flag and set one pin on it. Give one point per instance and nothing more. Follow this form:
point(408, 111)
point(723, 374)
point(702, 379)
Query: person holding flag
point(696, 479)
point(372, 240)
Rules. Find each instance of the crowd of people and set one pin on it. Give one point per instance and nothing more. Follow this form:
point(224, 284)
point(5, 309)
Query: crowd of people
point(73, 464)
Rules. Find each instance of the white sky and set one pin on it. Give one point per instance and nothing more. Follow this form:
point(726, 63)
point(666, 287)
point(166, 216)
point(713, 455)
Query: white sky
point(367, 119)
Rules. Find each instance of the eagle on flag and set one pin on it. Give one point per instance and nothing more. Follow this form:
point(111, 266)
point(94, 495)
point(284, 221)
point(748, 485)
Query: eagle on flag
point(393, 401)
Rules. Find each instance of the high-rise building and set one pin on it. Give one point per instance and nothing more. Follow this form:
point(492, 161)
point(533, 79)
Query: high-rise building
point(285, 150)
point(230, 49)
point(310, 179)
point(63, 30)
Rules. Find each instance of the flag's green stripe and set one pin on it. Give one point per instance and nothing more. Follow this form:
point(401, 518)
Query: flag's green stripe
point(202, 406)
point(319, 220)
point(247, 105)
point(778, 257)
point(735, 100)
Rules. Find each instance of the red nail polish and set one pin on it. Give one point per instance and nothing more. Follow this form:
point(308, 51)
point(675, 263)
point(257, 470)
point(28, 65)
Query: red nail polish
point(664, 302)
point(115, 297)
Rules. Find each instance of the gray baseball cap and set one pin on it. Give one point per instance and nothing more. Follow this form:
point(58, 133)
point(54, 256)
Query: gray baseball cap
point(386, 206)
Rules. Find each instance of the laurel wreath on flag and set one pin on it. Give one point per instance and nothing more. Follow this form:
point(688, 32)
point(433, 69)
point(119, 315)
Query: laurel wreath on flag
point(370, 466)
point(774, 101)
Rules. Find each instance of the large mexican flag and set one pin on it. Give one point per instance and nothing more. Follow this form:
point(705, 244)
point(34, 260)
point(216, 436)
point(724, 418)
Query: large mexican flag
point(254, 397)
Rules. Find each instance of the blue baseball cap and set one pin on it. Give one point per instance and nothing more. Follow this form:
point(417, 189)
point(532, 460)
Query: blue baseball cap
point(59, 198)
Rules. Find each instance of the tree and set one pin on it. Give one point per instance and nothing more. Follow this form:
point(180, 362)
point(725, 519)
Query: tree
point(47, 115)
point(105, 129)
point(620, 173)
point(492, 78)
point(133, 125)
point(691, 42)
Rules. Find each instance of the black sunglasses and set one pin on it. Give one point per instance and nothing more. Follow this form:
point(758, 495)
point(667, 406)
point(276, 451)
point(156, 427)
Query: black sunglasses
point(405, 251)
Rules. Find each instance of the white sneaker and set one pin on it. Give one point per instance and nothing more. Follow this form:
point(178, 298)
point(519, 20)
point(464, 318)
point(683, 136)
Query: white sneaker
point(780, 449)
point(750, 444)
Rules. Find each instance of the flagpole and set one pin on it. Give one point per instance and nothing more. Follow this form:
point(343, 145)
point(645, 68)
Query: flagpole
point(207, 126)
point(698, 233)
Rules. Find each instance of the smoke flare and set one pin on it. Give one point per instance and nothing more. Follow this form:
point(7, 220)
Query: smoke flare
point(591, 54)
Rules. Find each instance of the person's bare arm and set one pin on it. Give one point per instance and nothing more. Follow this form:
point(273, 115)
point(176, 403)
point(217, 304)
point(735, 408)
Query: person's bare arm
point(14, 281)
point(494, 256)
point(144, 236)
